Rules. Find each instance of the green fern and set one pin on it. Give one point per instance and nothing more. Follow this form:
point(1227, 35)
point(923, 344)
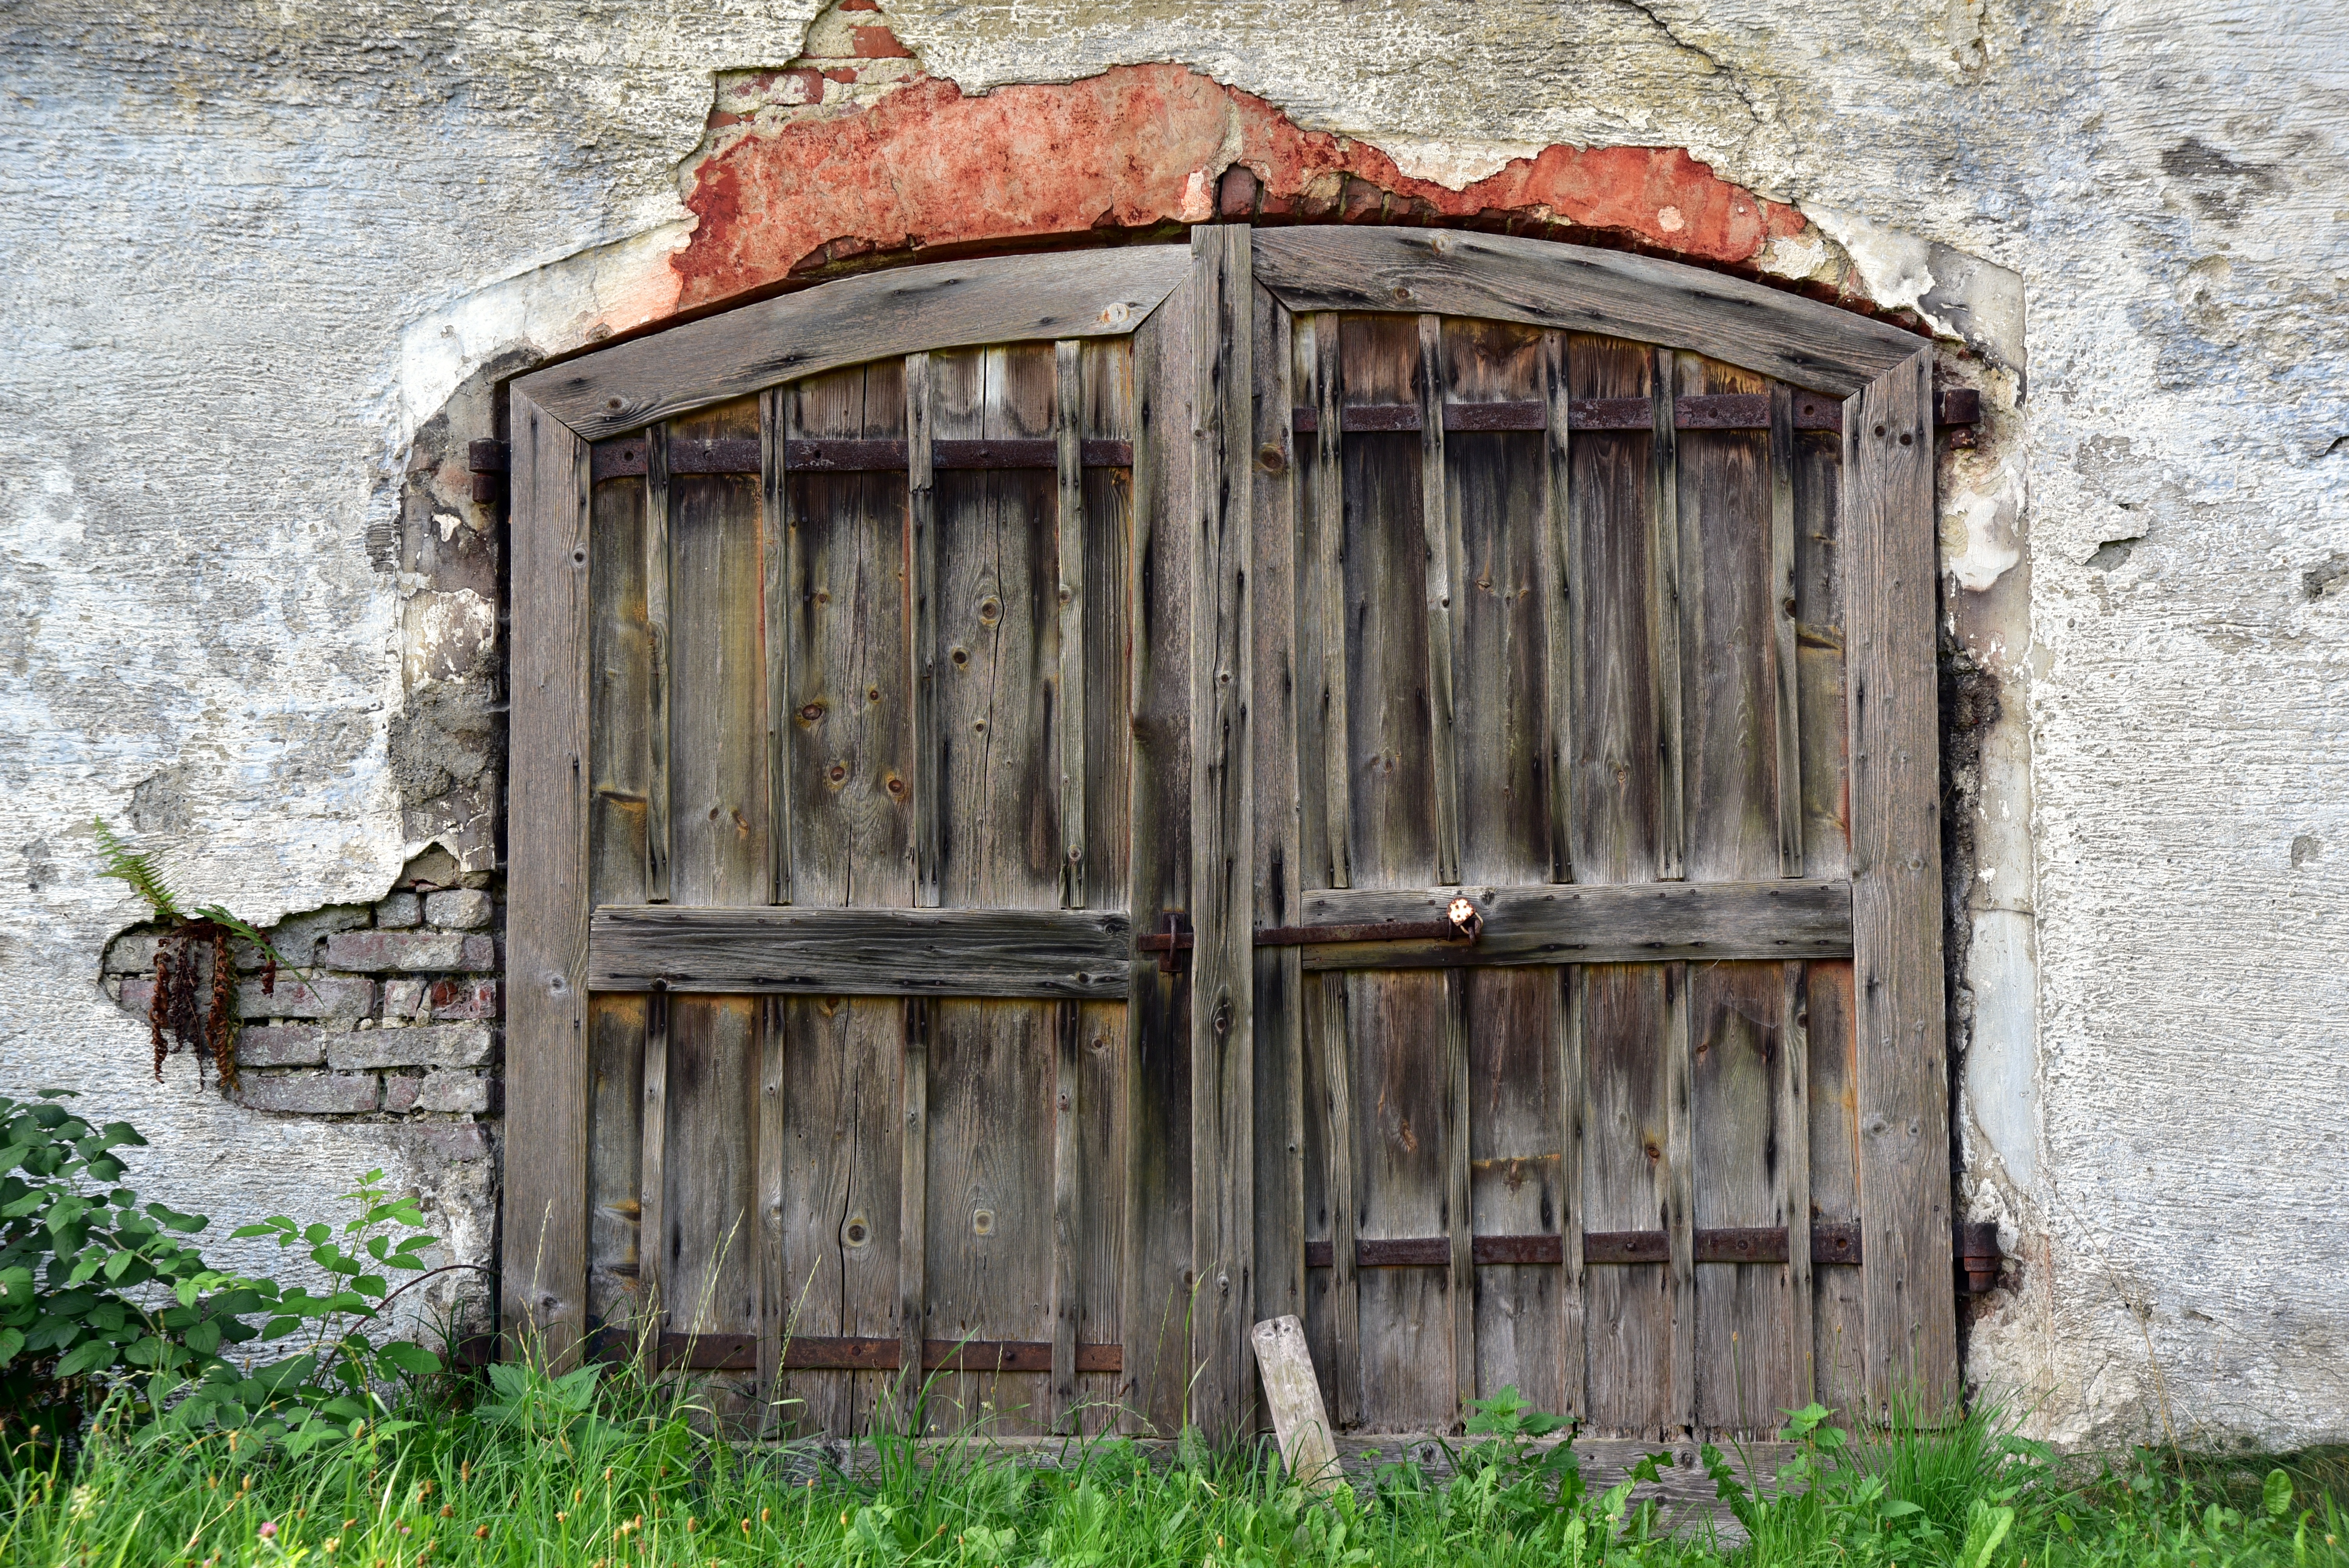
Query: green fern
point(219, 916)
point(142, 869)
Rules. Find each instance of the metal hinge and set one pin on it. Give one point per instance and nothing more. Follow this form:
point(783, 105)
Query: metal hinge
point(488, 462)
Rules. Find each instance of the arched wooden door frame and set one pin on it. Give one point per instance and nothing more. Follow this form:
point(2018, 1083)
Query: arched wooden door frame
point(1212, 439)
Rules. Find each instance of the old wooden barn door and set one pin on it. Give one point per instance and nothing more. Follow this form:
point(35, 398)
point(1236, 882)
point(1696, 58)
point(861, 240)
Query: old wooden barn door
point(995, 746)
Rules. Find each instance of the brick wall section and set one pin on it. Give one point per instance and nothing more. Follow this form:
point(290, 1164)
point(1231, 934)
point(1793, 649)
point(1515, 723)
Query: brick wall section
point(394, 1013)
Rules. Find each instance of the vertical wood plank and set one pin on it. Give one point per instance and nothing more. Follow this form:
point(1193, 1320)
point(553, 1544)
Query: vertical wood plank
point(1109, 524)
point(1573, 1095)
point(1515, 1027)
point(775, 536)
point(1664, 618)
point(1157, 1077)
point(1784, 675)
point(1443, 570)
point(1404, 1125)
point(1627, 1183)
point(922, 627)
point(1327, 622)
point(1552, 551)
point(1675, 1194)
point(769, 1292)
point(1100, 1206)
point(1279, 1201)
point(1223, 816)
point(659, 841)
point(1793, 1194)
point(913, 1216)
point(1459, 1221)
point(1819, 639)
point(1067, 1179)
point(1896, 851)
point(652, 1199)
point(615, 1073)
point(1839, 1316)
point(1333, 1053)
point(1069, 722)
point(545, 1268)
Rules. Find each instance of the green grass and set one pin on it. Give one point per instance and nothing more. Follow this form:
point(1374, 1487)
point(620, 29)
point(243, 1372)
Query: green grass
point(543, 1472)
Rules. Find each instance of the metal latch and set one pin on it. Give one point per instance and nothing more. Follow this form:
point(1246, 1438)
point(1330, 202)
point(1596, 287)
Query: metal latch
point(1461, 922)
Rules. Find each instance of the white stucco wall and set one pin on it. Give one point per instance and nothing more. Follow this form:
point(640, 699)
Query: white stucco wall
point(245, 258)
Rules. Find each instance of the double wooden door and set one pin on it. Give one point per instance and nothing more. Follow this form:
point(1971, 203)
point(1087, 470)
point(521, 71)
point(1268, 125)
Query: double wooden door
point(995, 746)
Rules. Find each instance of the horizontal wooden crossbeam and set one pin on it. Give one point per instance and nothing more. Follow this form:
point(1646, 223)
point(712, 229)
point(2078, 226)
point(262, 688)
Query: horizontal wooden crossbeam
point(870, 1353)
point(1830, 1243)
point(740, 455)
point(1561, 924)
point(1081, 953)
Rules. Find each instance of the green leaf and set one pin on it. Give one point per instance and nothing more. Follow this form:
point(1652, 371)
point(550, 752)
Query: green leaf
point(318, 1235)
point(2275, 1494)
point(412, 1359)
point(87, 1356)
point(11, 1341)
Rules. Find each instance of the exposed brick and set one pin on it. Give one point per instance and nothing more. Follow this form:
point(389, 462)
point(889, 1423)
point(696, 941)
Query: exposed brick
point(398, 911)
point(131, 956)
point(395, 950)
point(467, 998)
point(425, 1045)
point(454, 1091)
point(880, 44)
point(283, 1045)
point(399, 1093)
point(297, 937)
point(320, 996)
point(311, 1094)
point(461, 909)
point(455, 1140)
point(479, 956)
point(404, 999)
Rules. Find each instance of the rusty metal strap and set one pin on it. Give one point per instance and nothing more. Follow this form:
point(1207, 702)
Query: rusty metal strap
point(1831, 1242)
point(740, 455)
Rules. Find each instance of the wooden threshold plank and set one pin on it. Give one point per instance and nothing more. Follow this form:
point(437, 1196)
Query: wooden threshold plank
point(1078, 954)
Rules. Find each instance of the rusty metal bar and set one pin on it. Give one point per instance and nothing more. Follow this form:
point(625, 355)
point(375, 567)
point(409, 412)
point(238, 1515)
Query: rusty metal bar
point(1956, 406)
point(613, 459)
point(1830, 1243)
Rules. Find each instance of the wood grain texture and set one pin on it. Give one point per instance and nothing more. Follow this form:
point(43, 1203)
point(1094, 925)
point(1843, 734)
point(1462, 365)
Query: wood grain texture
point(1068, 1182)
point(1503, 278)
point(653, 1276)
point(1293, 1399)
point(1785, 681)
point(1792, 1176)
point(1402, 1130)
point(1573, 1112)
point(1541, 924)
point(1839, 1316)
point(1223, 827)
point(1069, 726)
point(1626, 1185)
point(911, 1412)
point(660, 503)
point(946, 305)
point(544, 1219)
point(705, 1238)
point(1100, 1210)
point(1108, 365)
point(615, 1068)
point(1439, 531)
point(1819, 656)
point(861, 952)
point(1554, 609)
point(768, 1179)
point(1459, 1222)
point(1156, 1294)
point(1664, 622)
point(1322, 616)
point(1279, 1202)
point(922, 627)
point(775, 564)
point(619, 662)
point(1896, 842)
point(1329, 1040)
point(1512, 1160)
point(1675, 1189)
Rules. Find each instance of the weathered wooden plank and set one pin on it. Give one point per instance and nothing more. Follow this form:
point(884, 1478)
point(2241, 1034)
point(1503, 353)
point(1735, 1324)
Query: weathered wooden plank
point(1840, 1318)
point(660, 677)
point(1791, 1175)
point(707, 1177)
point(848, 750)
point(620, 668)
point(1555, 613)
point(1573, 1112)
point(912, 1414)
point(1505, 278)
point(989, 1267)
point(1222, 798)
point(1279, 1202)
point(1727, 630)
point(1628, 1311)
point(1819, 656)
point(1784, 679)
point(1293, 1398)
point(1726, 411)
point(1591, 924)
point(906, 310)
point(1322, 616)
point(775, 561)
point(1158, 1029)
point(1675, 1196)
point(1108, 376)
point(616, 1070)
point(1896, 844)
point(922, 629)
point(842, 1145)
point(1511, 1159)
point(861, 952)
point(545, 1222)
point(717, 679)
point(1745, 1353)
point(865, 1353)
point(1403, 1132)
point(1068, 1180)
point(1100, 1210)
point(1389, 747)
point(1439, 528)
point(769, 1293)
point(1613, 739)
point(1830, 1243)
point(1459, 1220)
point(1665, 626)
point(1333, 1116)
point(1069, 520)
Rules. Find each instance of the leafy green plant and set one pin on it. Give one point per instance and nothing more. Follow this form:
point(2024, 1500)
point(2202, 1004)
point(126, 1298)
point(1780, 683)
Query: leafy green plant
point(103, 1297)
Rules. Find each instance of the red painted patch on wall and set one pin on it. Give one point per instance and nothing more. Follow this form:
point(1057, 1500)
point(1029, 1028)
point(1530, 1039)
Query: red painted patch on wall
point(1133, 148)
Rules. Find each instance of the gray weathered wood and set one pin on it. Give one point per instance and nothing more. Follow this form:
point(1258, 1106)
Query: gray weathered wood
point(659, 833)
point(1503, 278)
point(1515, 1027)
point(1819, 654)
point(913, 1216)
point(1322, 622)
point(946, 304)
point(775, 537)
point(1896, 842)
point(1280, 862)
point(1628, 1314)
point(616, 1070)
point(1068, 718)
point(769, 1175)
point(1745, 1361)
point(1573, 1103)
point(545, 1268)
point(1293, 1398)
point(1784, 677)
point(1664, 625)
point(922, 629)
point(1327, 1029)
point(1592, 924)
point(1068, 1180)
point(1675, 1193)
point(652, 1202)
point(861, 952)
point(1459, 1218)
point(1441, 530)
point(1792, 1176)
point(1839, 1316)
point(1552, 553)
point(1223, 834)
